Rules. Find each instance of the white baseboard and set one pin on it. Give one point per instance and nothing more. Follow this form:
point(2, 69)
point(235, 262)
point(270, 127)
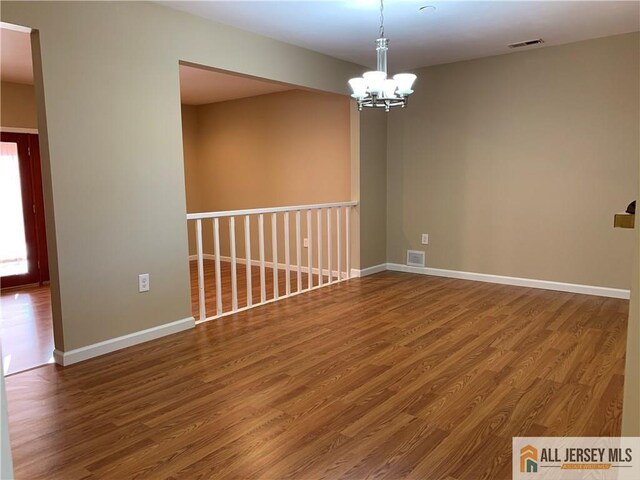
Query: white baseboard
point(281, 266)
point(206, 256)
point(516, 281)
point(478, 277)
point(370, 270)
point(118, 343)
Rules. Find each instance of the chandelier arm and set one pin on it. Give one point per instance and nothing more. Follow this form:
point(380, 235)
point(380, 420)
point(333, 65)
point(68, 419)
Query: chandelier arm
point(382, 102)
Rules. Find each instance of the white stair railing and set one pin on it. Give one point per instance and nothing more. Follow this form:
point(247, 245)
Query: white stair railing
point(337, 233)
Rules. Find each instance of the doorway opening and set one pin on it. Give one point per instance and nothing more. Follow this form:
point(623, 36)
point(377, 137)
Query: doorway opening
point(25, 298)
point(274, 163)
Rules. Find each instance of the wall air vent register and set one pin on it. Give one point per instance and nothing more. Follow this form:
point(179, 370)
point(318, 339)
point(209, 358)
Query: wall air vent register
point(415, 258)
point(526, 43)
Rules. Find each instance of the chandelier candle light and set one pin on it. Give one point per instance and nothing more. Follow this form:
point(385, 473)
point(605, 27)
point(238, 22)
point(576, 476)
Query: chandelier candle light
point(374, 89)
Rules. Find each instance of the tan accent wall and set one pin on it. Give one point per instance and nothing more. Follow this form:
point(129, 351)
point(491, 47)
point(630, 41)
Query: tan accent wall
point(286, 148)
point(279, 149)
point(113, 157)
point(18, 106)
point(191, 172)
point(190, 152)
point(515, 164)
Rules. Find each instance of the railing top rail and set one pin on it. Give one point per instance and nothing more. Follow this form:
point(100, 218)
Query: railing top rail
point(255, 211)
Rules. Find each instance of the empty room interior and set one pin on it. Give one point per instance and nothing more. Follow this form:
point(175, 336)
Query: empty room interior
point(319, 240)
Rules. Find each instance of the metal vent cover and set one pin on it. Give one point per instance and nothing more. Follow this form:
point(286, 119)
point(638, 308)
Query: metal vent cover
point(526, 43)
point(415, 258)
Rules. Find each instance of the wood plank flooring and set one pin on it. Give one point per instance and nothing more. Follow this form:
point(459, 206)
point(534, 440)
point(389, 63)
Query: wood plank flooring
point(26, 328)
point(390, 376)
point(241, 278)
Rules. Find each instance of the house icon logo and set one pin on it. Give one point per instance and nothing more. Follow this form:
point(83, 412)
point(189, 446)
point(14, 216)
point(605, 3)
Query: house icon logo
point(528, 459)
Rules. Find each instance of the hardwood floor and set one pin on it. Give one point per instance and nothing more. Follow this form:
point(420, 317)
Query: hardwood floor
point(225, 276)
point(390, 376)
point(26, 328)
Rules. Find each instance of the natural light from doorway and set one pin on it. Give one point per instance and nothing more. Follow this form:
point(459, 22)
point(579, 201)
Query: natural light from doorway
point(13, 246)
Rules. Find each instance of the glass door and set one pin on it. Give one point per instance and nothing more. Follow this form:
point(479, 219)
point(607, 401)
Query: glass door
point(18, 240)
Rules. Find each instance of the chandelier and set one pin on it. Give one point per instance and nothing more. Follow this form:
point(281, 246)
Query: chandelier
point(374, 89)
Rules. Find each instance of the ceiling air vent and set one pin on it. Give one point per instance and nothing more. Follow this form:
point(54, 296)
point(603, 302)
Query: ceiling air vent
point(415, 258)
point(527, 43)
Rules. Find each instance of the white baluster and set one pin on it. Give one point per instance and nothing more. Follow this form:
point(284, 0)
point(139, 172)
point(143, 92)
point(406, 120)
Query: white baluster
point(274, 245)
point(247, 257)
point(337, 255)
point(216, 253)
point(234, 279)
point(263, 292)
point(298, 251)
point(320, 279)
point(286, 254)
point(200, 260)
point(339, 237)
point(347, 228)
point(329, 249)
point(309, 251)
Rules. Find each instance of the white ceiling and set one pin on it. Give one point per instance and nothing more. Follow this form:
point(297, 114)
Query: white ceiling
point(199, 86)
point(15, 57)
point(456, 30)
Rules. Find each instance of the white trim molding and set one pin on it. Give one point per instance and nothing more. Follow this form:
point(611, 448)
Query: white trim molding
point(206, 256)
point(256, 211)
point(281, 266)
point(515, 281)
point(355, 273)
point(118, 343)
point(477, 277)
point(369, 270)
point(15, 28)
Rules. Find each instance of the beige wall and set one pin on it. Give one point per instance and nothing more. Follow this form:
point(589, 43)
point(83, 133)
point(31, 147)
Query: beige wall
point(112, 150)
point(515, 164)
point(631, 402)
point(18, 106)
point(287, 148)
point(373, 188)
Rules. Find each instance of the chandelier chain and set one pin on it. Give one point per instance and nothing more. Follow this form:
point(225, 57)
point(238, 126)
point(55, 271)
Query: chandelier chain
point(381, 18)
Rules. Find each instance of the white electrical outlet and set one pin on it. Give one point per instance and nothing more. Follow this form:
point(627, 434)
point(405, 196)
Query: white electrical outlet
point(143, 282)
point(425, 239)
point(306, 243)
